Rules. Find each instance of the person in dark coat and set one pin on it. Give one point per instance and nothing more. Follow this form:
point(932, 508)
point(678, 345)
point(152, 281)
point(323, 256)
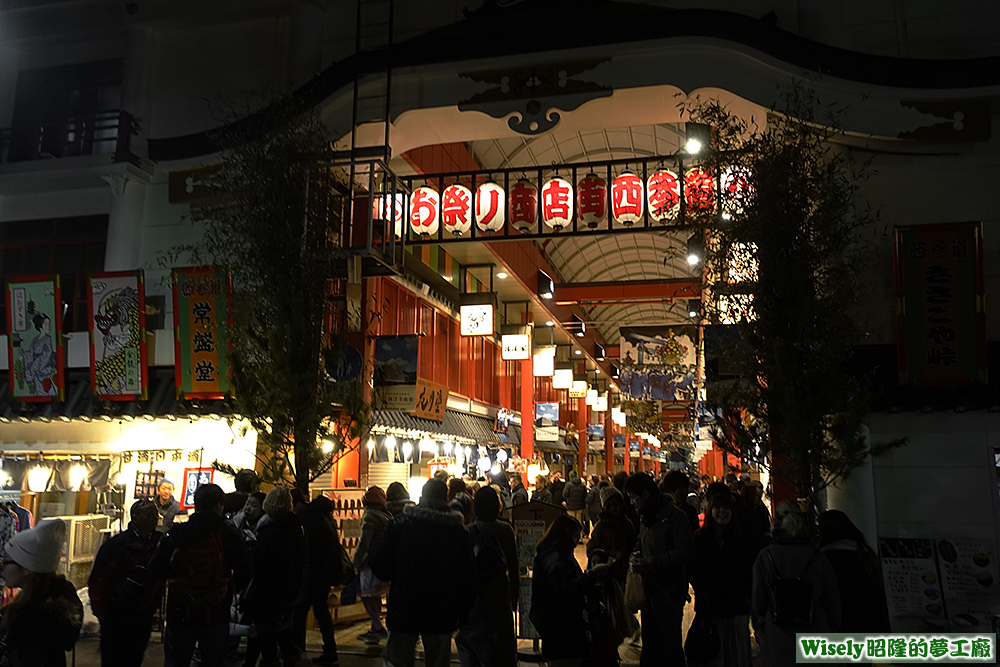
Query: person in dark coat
point(427, 556)
point(593, 502)
point(323, 558)
point(574, 497)
point(246, 484)
point(279, 558)
point(863, 607)
point(542, 492)
point(373, 522)
point(397, 499)
point(166, 505)
point(200, 584)
point(518, 494)
point(666, 547)
point(121, 595)
point(676, 484)
point(721, 575)
point(556, 487)
point(613, 533)
point(488, 638)
point(43, 620)
point(460, 500)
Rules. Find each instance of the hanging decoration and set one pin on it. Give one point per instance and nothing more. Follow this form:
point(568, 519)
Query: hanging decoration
point(592, 200)
point(456, 209)
point(424, 204)
point(557, 203)
point(389, 207)
point(626, 199)
point(523, 205)
point(699, 191)
point(490, 207)
point(664, 196)
point(116, 304)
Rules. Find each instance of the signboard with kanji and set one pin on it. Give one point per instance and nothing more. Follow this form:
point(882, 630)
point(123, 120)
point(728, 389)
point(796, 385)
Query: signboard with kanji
point(941, 318)
point(202, 317)
point(116, 303)
point(34, 345)
point(431, 400)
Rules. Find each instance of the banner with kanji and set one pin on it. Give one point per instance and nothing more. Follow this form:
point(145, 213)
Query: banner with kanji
point(34, 345)
point(116, 303)
point(941, 317)
point(202, 317)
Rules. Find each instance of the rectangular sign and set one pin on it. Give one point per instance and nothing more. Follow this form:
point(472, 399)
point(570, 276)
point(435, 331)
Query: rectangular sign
point(431, 400)
point(35, 353)
point(117, 308)
point(202, 318)
point(547, 422)
point(941, 316)
point(659, 363)
point(516, 346)
point(395, 360)
point(401, 397)
point(193, 478)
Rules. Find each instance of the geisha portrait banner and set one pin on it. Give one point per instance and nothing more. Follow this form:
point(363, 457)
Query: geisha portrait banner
point(34, 346)
point(659, 363)
point(117, 306)
point(202, 317)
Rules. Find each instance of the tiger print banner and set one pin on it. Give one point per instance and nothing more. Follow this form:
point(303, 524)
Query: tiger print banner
point(117, 306)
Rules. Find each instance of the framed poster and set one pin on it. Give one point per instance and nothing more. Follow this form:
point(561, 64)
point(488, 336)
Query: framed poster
point(202, 319)
point(193, 478)
point(116, 304)
point(35, 354)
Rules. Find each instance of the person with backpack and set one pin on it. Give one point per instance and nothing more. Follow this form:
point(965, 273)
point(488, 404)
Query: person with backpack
point(863, 607)
point(120, 594)
point(488, 638)
point(794, 589)
point(374, 520)
point(324, 564)
point(204, 561)
point(665, 549)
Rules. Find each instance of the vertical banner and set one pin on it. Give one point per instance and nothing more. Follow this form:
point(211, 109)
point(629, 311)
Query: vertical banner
point(941, 316)
point(202, 317)
point(395, 373)
point(659, 363)
point(547, 422)
point(35, 347)
point(116, 303)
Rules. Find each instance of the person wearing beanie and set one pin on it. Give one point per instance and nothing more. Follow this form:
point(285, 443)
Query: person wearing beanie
point(279, 561)
point(205, 561)
point(613, 533)
point(323, 570)
point(166, 505)
point(371, 588)
point(426, 554)
point(43, 621)
point(120, 594)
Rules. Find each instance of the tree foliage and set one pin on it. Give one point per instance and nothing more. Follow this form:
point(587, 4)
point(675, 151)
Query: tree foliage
point(268, 221)
point(784, 256)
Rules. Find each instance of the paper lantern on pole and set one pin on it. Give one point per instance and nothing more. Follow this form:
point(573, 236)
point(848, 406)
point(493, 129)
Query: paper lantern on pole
point(490, 207)
point(424, 211)
point(699, 191)
point(557, 203)
point(523, 205)
point(592, 200)
point(664, 196)
point(736, 192)
point(390, 206)
point(456, 209)
point(626, 199)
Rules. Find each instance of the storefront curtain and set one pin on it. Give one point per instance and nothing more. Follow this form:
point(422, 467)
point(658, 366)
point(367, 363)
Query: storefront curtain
point(62, 477)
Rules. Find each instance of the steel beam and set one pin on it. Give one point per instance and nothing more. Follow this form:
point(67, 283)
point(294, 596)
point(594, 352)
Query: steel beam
point(638, 290)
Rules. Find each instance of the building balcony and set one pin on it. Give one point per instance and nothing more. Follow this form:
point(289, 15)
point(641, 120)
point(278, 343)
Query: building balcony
point(102, 133)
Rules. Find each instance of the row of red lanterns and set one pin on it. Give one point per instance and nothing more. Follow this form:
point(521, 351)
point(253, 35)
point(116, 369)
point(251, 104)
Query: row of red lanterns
point(455, 209)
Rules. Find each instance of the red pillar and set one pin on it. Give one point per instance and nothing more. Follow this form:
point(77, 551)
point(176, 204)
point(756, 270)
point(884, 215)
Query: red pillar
point(528, 409)
point(609, 442)
point(582, 409)
point(628, 454)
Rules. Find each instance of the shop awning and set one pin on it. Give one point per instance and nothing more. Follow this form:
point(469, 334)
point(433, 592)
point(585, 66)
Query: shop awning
point(455, 425)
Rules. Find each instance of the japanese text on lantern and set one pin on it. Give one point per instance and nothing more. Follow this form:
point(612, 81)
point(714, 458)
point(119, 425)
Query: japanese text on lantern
point(592, 200)
point(626, 198)
point(523, 205)
point(456, 209)
point(200, 315)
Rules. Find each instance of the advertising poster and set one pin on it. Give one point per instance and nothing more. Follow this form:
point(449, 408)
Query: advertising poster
point(202, 317)
point(34, 347)
point(117, 307)
point(528, 533)
point(969, 579)
point(659, 363)
point(547, 422)
point(595, 432)
point(912, 585)
point(193, 478)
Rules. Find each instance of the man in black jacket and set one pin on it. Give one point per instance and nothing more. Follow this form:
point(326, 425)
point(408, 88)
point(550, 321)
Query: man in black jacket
point(426, 553)
point(323, 569)
point(204, 561)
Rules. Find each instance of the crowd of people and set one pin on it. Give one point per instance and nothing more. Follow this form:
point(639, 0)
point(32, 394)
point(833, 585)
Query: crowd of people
point(449, 564)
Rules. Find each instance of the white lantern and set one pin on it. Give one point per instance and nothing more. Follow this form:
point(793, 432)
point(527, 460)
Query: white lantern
point(491, 204)
point(626, 199)
point(663, 196)
point(544, 361)
point(557, 203)
point(591, 396)
point(523, 205)
point(424, 204)
point(562, 378)
point(383, 209)
point(699, 190)
point(456, 209)
point(601, 404)
point(592, 200)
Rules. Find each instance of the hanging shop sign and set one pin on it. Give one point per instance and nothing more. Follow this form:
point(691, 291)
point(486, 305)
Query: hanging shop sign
point(490, 207)
point(547, 422)
point(523, 205)
point(424, 203)
point(663, 196)
point(456, 209)
point(658, 363)
point(202, 319)
point(626, 199)
point(515, 346)
point(116, 303)
point(578, 389)
point(592, 200)
point(431, 400)
point(396, 384)
point(941, 321)
point(476, 319)
point(557, 203)
point(193, 478)
point(34, 347)
point(544, 361)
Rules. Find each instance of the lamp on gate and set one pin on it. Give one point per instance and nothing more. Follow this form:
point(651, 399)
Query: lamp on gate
point(546, 286)
point(698, 138)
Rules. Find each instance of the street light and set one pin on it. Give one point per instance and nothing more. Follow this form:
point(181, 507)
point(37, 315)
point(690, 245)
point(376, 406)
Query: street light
point(699, 136)
point(695, 248)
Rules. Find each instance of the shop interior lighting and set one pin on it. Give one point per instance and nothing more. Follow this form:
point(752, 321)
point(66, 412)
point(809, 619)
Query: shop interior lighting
point(495, 470)
point(501, 455)
point(549, 323)
point(591, 397)
point(562, 375)
point(77, 474)
point(38, 479)
point(502, 275)
point(695, 249)
point(407, 451)
point(546, 286)
point(447, 447)
point(371, 445)
point(601, 404)
point(599, 353)
point(577, 351)
point(694, 307)
point(698, 137)
point(484, 463)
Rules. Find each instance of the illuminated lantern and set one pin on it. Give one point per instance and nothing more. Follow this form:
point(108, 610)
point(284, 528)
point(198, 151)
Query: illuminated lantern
point(523, 205)
point(699, 191)
point(490, 205)
point(664, 196)
point(424, 211)
point(381, 210)
point(626, 199)
point(592, 200)
point(456, 209)
point(736, 192)
point(557, 203)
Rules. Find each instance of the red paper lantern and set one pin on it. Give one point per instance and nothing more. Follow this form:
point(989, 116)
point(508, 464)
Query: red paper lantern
point(592, 200)
point(699, 191)
point(626, 199)
point(664, 196)
point(490, 202)
point(523, 205)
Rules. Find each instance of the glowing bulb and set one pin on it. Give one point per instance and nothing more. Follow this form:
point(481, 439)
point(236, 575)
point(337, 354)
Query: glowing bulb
point(502, 455)
point(483, 463)
point(693, 259)
point(390, 442)
point(693, 146)
point(38, 479)
point(448, 446)
point(495, 470)
point(501, 275)
point(76, 476)
point(407, 449)
point(371, 445)
point(327, 447)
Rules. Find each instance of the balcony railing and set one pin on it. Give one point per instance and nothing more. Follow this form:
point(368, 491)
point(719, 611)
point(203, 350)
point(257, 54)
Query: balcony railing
point(101, 133)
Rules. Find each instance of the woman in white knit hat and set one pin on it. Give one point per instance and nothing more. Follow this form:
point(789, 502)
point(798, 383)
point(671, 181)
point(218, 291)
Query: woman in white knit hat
point(43, 621)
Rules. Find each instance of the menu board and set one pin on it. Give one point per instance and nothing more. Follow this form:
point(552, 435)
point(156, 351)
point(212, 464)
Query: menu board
point(525, 630)
point(969, 580)
point(528, 533)
point(912, 585)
